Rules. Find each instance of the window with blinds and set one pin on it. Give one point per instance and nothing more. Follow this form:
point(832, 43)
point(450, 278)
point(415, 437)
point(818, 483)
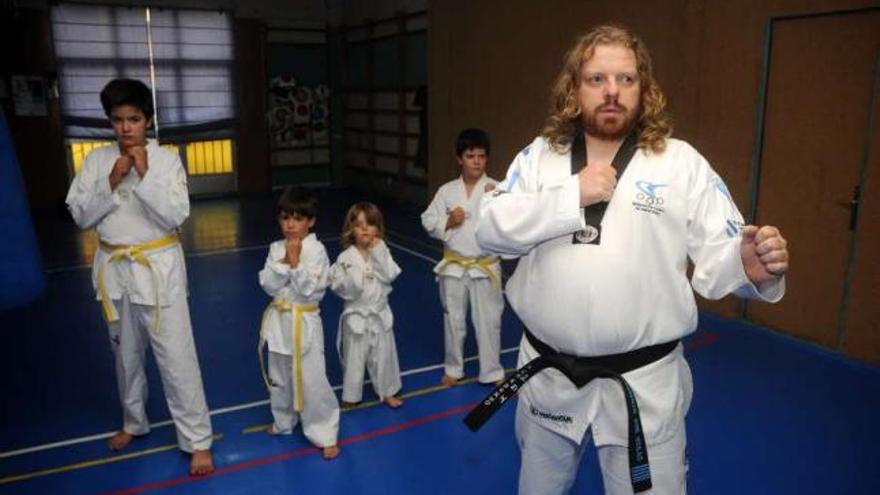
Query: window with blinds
point(193, 61)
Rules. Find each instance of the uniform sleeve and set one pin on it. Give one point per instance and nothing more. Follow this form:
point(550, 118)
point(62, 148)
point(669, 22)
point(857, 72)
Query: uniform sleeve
point(164, 194)
point(312, 275)
point(90, 198)
point(384, 266)
point(275, 274)
point(521, 213)
point(714, 239)
point(346, 279)
point(435, 217)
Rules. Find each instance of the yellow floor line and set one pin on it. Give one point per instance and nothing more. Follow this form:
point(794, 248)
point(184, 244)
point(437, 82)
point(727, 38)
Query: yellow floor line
point(364, 405)
point(92, 463)
point(251, 429)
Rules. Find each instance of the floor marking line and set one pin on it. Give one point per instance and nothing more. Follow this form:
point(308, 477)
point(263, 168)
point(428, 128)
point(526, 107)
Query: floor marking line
point(92, 463)
point(388, 430)
point(432, 247)
point(189, 254)
point(412, 252)
point(696, 342)
point(365, 405)
point(705, 338)
point(223, 410)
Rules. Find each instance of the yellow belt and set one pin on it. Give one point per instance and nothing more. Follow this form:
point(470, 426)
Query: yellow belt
point(139, 254)
point(298, 310)
point(482, 264)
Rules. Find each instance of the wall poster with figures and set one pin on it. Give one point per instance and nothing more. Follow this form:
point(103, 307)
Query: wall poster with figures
point(298, 114)
point(298, 107)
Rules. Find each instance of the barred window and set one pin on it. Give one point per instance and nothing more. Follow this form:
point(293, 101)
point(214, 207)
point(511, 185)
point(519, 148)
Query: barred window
point(193, 58)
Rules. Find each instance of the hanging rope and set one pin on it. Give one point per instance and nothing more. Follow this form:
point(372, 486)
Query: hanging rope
point(152, 73)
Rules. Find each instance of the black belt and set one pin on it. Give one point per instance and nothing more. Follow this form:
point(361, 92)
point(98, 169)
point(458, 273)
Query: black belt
point(582, 370)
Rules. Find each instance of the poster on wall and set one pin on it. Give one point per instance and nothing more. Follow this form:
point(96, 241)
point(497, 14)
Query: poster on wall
point(29, 96)
point(298, 114)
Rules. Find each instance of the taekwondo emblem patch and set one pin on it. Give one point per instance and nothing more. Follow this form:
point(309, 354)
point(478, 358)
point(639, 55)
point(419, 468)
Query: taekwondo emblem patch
point(648, 197)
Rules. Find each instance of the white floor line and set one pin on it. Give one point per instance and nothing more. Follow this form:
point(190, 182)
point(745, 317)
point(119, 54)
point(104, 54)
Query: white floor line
point(414, 253)
point(196, 254)
point(239, 407)
point(420, 242)
point(215, 412)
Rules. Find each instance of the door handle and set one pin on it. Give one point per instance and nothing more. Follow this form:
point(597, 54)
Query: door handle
point(853, 206)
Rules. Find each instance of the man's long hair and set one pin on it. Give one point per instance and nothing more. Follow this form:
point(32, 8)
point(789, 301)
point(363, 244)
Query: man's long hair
point(652, 123)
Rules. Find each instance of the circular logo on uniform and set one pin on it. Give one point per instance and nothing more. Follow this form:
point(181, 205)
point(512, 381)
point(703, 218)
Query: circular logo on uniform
point(587, 235)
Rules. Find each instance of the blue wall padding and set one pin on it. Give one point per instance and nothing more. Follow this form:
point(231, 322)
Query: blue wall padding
point(21, 271)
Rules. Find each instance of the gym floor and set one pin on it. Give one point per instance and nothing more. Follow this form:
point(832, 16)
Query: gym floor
point(770, 414)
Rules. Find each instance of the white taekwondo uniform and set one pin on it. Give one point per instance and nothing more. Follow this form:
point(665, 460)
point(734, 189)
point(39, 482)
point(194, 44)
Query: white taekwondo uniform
point(466, 274)
point(365, 337)
point(629, 292)
point(297, 292)
point(149, 298)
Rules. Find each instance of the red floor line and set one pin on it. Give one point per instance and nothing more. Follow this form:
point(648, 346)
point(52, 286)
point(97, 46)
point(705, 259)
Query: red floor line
point(293, 454)
point(701, 339)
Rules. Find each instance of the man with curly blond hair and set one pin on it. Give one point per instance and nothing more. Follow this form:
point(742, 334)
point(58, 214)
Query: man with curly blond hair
point(604, 210)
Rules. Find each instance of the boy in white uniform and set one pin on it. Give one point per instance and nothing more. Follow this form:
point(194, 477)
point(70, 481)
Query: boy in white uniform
point(134, 194)
point(296, 276)
point(604, 293)
point(467, 273)
point(362, 276)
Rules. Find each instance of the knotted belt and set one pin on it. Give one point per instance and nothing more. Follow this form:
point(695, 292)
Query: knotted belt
point(482, 264)
point(139, 253)
point(582, 370)
point(297, 311)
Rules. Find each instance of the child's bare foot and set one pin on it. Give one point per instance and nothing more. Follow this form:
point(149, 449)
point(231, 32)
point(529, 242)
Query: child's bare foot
point(202, 463)
point(393, 402)
point(119, 440)
point(331, 452)
point(448, 381)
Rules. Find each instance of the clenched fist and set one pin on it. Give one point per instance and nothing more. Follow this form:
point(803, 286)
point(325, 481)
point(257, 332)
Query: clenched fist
point(597, 181)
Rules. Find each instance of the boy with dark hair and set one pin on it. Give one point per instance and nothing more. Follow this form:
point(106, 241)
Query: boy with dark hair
point(467, 273)
point(134, 195)
point(472, 139)
point(132, 92)
point(296, 276)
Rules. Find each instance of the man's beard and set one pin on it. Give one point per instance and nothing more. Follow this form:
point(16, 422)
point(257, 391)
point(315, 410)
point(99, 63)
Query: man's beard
point(609, 129)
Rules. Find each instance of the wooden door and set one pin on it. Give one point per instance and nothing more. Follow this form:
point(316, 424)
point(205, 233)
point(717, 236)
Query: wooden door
point(819, 100)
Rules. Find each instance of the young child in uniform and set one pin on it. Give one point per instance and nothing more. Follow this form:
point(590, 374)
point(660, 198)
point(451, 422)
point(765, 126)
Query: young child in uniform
point(295, 275)
point(467, 273)
point(134, 195)
point(362, 276)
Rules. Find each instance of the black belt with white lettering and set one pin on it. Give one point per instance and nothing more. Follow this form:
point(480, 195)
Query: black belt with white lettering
point(582, 370)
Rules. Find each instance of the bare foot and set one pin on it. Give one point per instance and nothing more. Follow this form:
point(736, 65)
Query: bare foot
point(119, 440)
point(331, 452)
point(448, 381)
point(393, 402)
point(201, 463)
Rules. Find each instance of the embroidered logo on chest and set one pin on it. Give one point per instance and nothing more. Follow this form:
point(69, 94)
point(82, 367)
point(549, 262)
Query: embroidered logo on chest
point(649, 198)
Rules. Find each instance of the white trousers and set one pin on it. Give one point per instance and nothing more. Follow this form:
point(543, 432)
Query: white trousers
point(550, 462)
point(487, 304)
point(175, 354)
point(375, 351)
point(320, 414)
